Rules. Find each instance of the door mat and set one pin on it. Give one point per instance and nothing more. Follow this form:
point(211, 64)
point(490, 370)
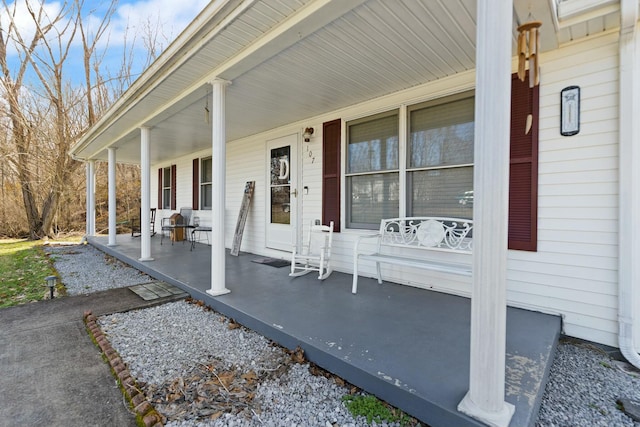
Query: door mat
point(273, 262)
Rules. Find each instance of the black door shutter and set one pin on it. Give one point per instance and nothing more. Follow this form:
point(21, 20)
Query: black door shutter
point(523, 166)
point(331, 132)
point(160, 188)
point(174, 181)
point(195, 185)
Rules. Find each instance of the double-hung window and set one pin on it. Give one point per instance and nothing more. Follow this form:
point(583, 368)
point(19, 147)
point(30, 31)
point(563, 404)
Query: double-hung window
point(206, 175)
point(434, 176)
point(435, 180)
point(440, 159)
point(372, 170)
point(166, 188)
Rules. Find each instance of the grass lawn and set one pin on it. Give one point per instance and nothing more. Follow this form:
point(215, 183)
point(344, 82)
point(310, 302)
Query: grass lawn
point(23, 267)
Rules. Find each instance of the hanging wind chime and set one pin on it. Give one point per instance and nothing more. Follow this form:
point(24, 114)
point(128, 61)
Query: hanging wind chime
point(207, 114)
point(528, 51)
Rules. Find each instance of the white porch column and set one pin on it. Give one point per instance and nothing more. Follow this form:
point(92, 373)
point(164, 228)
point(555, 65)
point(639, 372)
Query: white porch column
point(91, 212)
point(485, 398)
point(629, 182)
point(145, 194)
point(219, 153)
point(87, 222)
point(112, 196)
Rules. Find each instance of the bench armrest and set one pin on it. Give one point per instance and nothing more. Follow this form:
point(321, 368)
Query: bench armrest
point(356, 251)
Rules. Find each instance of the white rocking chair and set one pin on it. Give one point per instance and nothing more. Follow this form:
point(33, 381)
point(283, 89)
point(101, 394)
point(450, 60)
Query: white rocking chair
point(315, 254)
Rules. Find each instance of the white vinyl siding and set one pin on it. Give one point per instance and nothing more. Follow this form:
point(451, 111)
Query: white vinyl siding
point(574, 271)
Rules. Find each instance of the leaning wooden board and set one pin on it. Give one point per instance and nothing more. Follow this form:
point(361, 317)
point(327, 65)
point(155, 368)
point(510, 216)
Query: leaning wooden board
point(242, 217)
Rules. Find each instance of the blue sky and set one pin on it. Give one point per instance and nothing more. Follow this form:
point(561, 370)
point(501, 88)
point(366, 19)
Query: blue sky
point(130, 22)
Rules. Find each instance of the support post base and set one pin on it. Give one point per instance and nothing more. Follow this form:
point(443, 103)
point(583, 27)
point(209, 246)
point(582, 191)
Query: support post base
point(218, 292)
point(146, 259)
point(493, 419)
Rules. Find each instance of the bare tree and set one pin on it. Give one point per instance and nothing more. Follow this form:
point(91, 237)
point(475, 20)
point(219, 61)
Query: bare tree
point(89, 45)
point(43, 111)
point(42, 114)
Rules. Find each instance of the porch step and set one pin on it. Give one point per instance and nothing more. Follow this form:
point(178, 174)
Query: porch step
point(156, 290)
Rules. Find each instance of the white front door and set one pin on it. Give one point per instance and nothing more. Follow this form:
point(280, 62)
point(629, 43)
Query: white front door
point(282, 192)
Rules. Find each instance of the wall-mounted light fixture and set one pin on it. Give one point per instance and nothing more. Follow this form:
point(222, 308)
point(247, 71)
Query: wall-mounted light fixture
point(308, 132)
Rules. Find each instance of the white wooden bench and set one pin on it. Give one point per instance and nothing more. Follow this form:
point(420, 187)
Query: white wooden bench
point(428, 233)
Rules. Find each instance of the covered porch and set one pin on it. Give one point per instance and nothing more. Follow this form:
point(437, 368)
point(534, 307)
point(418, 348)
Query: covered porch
point(408, 346)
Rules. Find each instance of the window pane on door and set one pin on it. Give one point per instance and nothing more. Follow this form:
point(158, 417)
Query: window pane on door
point(280, 165)
point(280, 205)
point(280, 185)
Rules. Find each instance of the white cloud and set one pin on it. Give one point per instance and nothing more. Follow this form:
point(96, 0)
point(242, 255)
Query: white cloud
point(132, 24)
point(24, 24)
point(132, 21)
point(166, 17)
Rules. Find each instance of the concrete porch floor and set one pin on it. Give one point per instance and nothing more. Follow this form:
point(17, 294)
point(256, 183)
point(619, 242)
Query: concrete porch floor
point(408, 346)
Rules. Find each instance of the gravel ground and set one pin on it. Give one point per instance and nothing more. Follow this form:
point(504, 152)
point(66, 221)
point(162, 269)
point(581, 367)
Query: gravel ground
point(168, 343)
point(84, 269)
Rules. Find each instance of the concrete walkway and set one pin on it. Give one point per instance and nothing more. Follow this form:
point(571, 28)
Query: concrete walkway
point(51, 374)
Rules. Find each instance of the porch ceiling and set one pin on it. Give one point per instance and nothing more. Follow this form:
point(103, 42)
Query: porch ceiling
point(290, 60)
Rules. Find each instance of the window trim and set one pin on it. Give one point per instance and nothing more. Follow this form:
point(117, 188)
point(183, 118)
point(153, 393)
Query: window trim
point(166, 204)
point(172, 187)
point(529, 244)
point(397, 112)
point(403, 113)
point(409, 171)
point(202, 183)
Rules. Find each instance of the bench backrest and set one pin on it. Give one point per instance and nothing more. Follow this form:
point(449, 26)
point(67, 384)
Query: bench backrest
point(449, 234)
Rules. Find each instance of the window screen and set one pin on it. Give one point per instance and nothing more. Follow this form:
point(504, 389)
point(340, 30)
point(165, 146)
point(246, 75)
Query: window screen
point(440, 159)
point(372, 170)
